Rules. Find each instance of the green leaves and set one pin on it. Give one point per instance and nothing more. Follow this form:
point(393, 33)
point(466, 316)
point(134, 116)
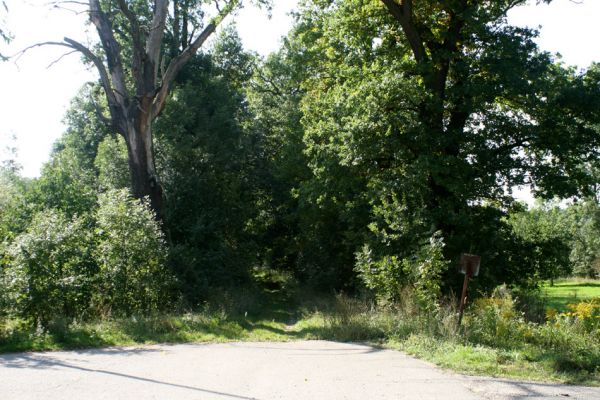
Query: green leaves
point(547, 233)
point(420, 123)
point(51, 269)
point(112, 164)
point(131, 254)
point(389, 275)
point(112, 262)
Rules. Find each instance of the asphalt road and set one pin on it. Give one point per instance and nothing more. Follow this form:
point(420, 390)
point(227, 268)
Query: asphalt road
point(311, 370)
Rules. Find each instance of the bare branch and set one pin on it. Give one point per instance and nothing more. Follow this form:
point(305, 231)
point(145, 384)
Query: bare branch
point(60, 58)
point(104, 78)
point(60, 3)
point(21, 53)
point(76, 46)
point(111, 49)
point(216, 2)
point(176, 65)
point(136, 38)
point(178, 62)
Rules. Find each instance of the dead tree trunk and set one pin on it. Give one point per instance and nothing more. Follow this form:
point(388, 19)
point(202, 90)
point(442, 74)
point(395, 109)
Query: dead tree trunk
point(144, 179)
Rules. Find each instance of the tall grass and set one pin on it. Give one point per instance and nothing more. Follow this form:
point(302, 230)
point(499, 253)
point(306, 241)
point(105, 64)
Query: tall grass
point(495, 338)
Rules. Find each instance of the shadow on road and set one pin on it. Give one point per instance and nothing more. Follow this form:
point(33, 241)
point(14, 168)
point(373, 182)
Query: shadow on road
point(39, 361)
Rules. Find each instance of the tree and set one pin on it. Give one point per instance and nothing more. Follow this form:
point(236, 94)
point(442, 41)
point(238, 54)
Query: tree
point(546, 232)
point(142, 49)
point(14, 207)
point(584, 219)
point(425, 114)
point(69, 181)
point(208, 162)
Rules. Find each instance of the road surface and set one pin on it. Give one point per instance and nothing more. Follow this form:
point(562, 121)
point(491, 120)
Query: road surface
point(310, 370)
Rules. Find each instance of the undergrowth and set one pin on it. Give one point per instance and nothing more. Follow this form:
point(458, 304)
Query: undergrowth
point(495, 337)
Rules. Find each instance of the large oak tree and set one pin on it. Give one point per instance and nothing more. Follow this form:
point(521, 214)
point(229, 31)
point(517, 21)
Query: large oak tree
point(423, 115)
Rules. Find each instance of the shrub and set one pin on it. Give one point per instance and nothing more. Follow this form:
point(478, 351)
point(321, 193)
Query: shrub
point(531, 303)
point(571, 346)
point(389, 275)
point(585, 313)
point(131, 254)
point(568, 340)
point(495, 321)
point(385, 276)
point(51, 270)
point(429, 266)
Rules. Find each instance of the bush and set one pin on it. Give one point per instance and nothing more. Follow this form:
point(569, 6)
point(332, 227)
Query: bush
point(572, 347)
point(586, 314)
point(388, 275)
point(495, 321)
point(51, 271)
point(532, 303)
point(568, 340)
point(132, 254)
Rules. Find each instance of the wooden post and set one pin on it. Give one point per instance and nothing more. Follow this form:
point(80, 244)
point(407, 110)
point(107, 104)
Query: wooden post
point(463, 297)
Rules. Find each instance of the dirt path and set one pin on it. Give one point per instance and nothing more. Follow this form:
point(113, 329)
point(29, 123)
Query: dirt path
point(296, 370)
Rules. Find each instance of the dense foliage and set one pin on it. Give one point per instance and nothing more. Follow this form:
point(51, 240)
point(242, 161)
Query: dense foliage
point(365, 155)
point(109, 261)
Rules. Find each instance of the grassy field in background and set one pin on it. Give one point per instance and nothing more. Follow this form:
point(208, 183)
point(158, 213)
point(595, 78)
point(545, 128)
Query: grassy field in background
point(567, 291)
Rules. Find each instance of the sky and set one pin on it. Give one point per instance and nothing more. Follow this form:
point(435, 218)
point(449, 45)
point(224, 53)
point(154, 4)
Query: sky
point(35, 96)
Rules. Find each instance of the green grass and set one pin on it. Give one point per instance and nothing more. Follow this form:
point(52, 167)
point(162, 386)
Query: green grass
point(239, 318)
point(570, 291)
point(148, 330)
point(283, 318)
point(527, 363)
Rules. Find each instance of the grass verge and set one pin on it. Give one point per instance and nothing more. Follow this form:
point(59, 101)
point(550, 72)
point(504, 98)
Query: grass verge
point(493, 340)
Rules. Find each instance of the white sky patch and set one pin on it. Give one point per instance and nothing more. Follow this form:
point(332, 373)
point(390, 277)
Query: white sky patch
point(567, 27)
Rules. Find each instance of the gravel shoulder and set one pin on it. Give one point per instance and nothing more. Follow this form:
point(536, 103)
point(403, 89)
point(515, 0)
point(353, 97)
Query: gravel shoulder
point(261, 371)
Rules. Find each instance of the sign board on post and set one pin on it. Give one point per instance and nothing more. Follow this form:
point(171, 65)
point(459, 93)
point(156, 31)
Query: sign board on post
point(469, 266)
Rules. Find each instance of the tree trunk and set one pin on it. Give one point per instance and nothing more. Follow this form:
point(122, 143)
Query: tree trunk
point(144, 179)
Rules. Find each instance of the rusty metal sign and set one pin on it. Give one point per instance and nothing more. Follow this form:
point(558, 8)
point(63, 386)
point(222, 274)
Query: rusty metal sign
point(469, 264)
